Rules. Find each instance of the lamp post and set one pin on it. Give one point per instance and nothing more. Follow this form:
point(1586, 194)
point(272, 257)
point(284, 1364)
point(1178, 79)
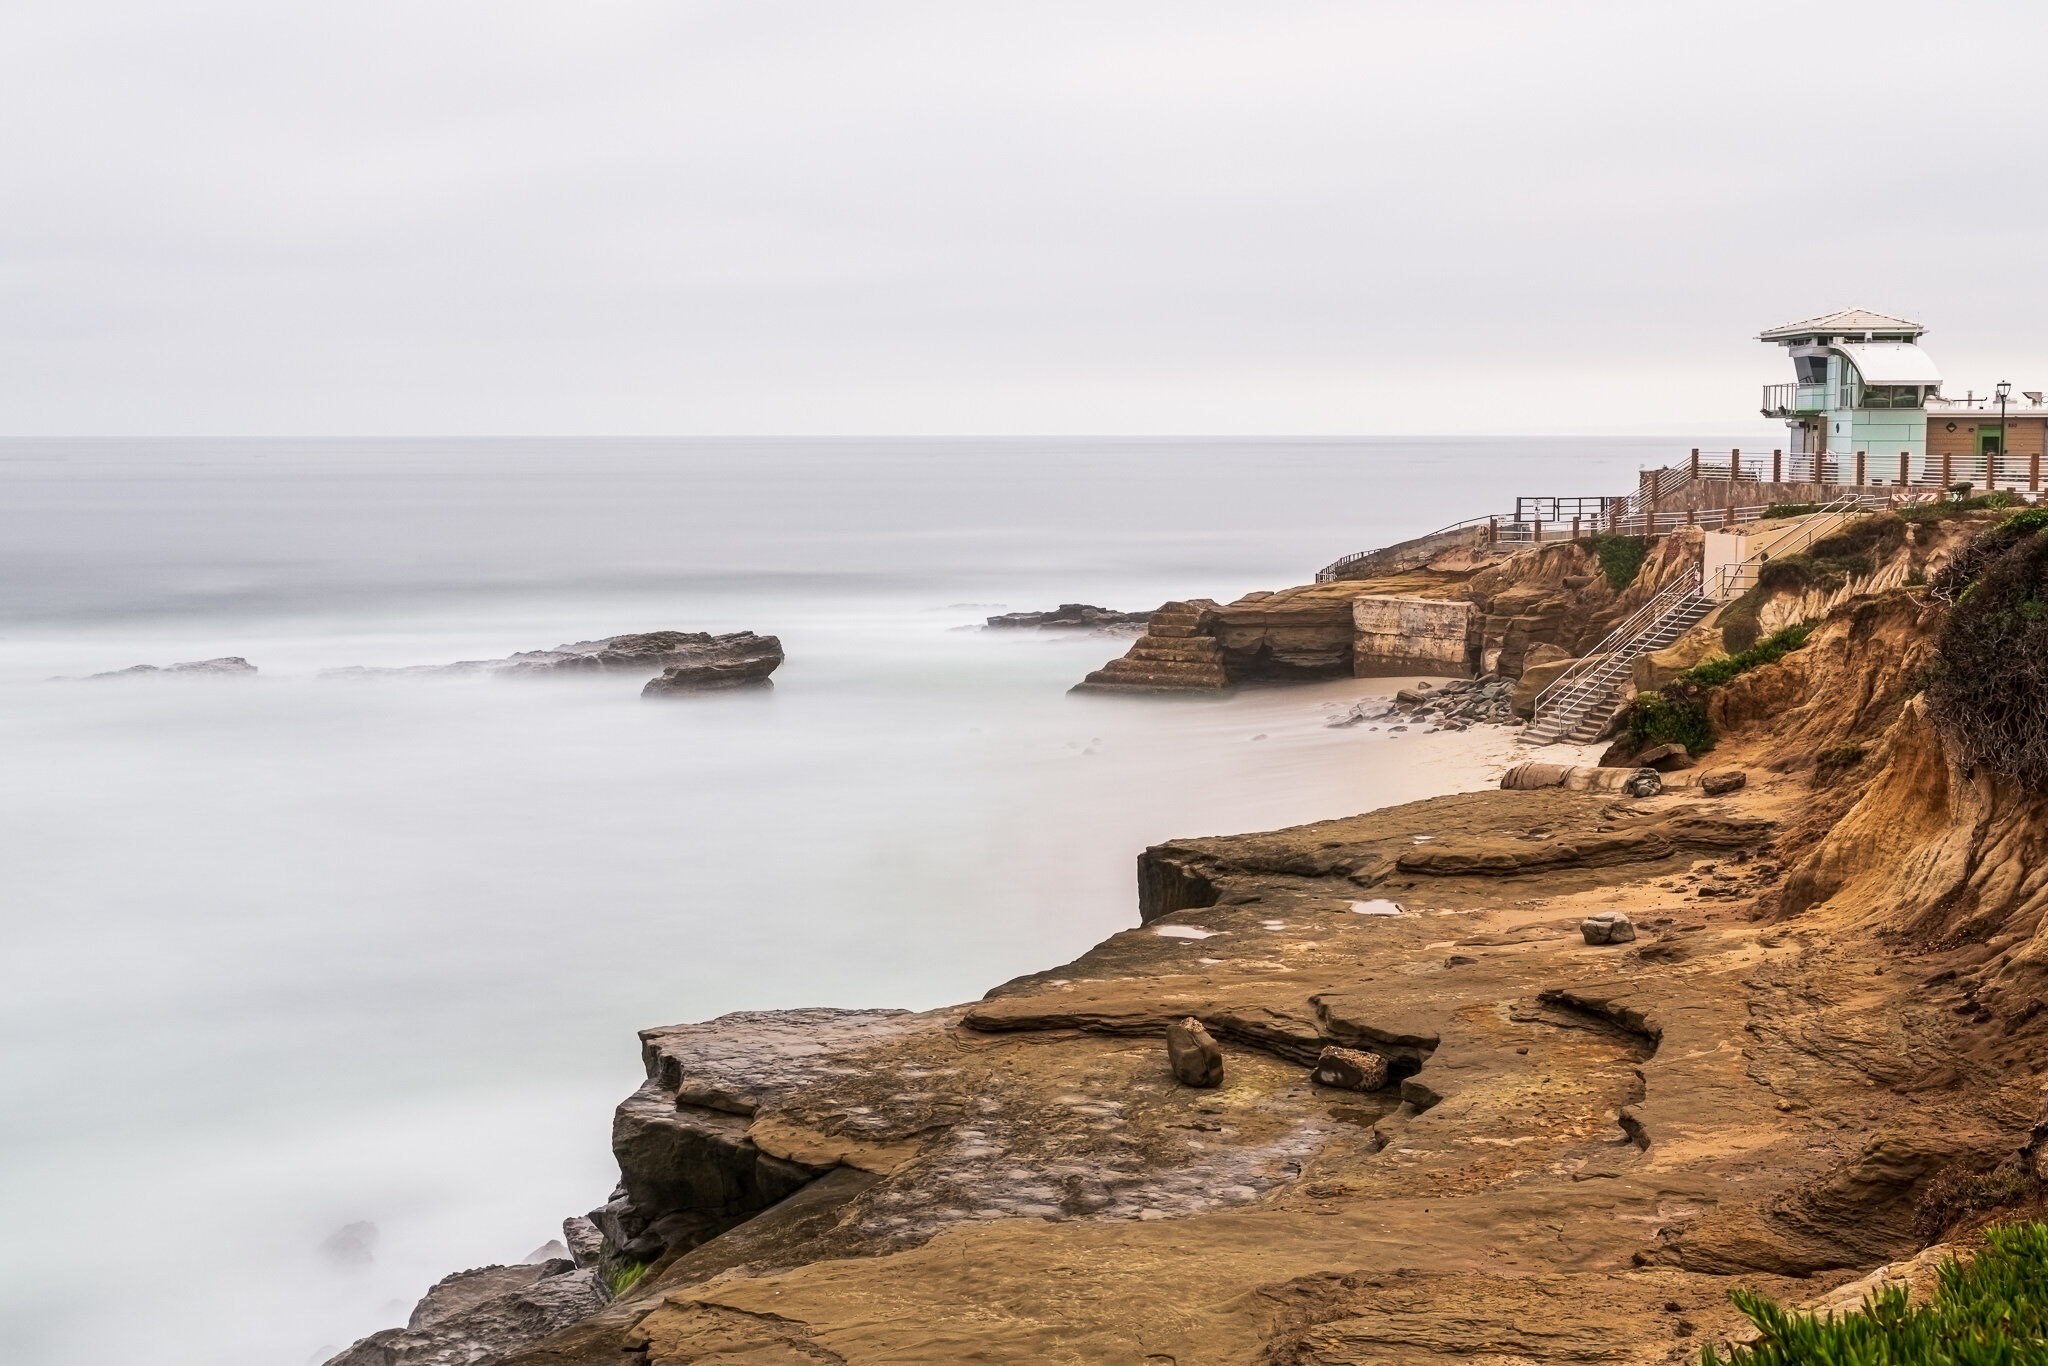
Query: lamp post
point(2004, 392)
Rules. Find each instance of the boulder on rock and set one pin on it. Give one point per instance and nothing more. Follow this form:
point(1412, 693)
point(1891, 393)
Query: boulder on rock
point(1722, 781)
point(1608, 927)
point(1664, 758)
point(1196, 1059)
point(739, 660)
point(1352, 1069)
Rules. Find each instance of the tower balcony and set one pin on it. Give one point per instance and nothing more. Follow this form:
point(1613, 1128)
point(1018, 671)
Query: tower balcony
point(1794, 400)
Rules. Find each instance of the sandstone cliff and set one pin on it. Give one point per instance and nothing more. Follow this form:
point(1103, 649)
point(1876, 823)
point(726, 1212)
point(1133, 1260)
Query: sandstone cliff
point(1818, 1056)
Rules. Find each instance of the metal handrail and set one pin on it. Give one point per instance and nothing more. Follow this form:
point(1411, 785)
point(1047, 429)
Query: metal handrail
point(1686, 585)
point(1735, 578)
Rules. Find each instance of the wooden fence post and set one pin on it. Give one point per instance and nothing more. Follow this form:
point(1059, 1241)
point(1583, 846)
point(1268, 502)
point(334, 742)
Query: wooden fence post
point(2034, 468)
point(1862, 467)
point(1948, 471)
point(1493, 531)
point(1537, 523)
point(1695, 463)
point(1905, 467)
point(1575, 528)
point(1777, 467)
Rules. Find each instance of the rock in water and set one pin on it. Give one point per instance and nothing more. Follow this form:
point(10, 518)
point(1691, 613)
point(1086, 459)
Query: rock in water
point(482, 1316)
point(1608, 927)
point(648, 652)
point(1354, 1069)
point(1069, 616)
point(733, 661)
point(227, 666)
point(1196, 1059)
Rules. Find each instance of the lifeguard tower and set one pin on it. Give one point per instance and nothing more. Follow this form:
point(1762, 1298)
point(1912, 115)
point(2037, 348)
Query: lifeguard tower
point(1861, 383)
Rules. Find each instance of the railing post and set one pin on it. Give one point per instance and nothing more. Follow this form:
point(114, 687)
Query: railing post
point(1948, 471)
point(1695, 463)
point(1650, 520)
point(1692, 516)
point(1575, 528)
point(1493, 531)
point(1614, 515)
point(1861, 467)
point(2034, 472)
point(1905, 467)
point(1777, 466)
point(1536, 530)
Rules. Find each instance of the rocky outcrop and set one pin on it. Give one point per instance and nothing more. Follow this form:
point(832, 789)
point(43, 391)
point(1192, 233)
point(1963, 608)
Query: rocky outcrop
point(1069, 616)
point(484, 1315)
point(1179, 652)
point(740, 660)
point(1581, 1137)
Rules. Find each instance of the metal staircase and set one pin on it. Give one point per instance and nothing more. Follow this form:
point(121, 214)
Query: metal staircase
point(1575, 706)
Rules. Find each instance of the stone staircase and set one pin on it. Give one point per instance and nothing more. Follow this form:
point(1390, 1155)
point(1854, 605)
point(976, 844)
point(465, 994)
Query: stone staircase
point(1174, 655)
point(1577, 706)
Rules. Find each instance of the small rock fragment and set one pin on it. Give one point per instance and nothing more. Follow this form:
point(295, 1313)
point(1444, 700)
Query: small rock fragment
point(1196, 1059)
point(1353, 1069)
point(1608, 927)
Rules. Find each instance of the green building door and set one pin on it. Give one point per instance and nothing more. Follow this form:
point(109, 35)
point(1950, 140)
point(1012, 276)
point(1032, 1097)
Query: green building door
point(1990, 467)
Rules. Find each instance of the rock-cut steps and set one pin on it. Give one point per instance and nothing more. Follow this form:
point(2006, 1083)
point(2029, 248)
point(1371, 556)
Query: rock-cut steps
point(1176, 654)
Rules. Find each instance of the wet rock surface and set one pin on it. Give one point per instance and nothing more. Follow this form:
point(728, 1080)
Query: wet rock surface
point(740, 660)
point(1070, 616)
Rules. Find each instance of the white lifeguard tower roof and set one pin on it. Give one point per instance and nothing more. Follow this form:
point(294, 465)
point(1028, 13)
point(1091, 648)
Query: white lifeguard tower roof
point(1848, 324)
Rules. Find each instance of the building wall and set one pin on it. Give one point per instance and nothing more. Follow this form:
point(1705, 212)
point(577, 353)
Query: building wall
point(2023, 435)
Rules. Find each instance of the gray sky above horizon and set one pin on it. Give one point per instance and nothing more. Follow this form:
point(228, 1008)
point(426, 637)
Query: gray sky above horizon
point(224, 216)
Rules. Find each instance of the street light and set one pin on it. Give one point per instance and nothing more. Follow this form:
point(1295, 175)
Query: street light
point(2004, 392)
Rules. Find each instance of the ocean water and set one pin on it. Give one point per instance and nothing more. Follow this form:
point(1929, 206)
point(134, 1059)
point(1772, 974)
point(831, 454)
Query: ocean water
point(287, 954)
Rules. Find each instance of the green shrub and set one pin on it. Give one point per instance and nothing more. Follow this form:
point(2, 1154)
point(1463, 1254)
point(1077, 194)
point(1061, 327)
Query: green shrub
point(1993, 1312)
point(1713, 673)
point(1790, 510)
point(1660, 718)
point(1621, 557)
point(625, 1276)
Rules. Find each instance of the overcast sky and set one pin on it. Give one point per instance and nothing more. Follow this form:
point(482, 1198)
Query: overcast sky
point(1178, 217)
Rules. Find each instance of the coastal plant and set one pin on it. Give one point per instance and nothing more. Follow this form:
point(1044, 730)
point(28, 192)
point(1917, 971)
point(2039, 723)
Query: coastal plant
point(1621, 557)
point(625, 1276)
point(1959, 1190)
point(1789, 510)
point(1774, 647)
point(1990, 699)
point(1992, 1311)
point(1673, 716)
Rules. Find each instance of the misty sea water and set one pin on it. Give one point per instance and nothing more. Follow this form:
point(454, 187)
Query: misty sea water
point(284, 954)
